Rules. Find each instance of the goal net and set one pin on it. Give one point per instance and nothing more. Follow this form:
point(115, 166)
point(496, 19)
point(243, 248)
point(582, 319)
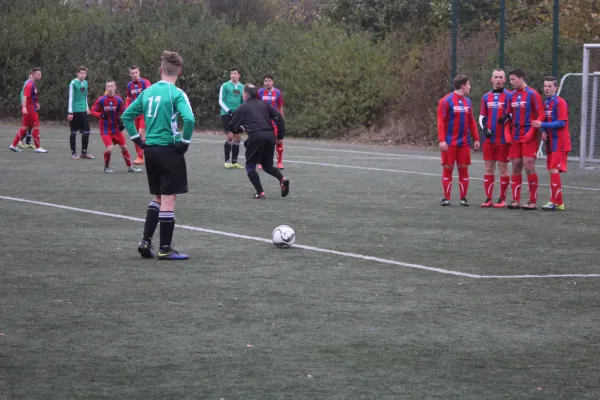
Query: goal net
point(581, 90)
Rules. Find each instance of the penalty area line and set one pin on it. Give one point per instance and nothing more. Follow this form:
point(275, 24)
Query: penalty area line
point(303, 247)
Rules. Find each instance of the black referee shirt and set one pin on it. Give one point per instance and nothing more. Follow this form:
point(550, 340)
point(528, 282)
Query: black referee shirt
point(255, 116)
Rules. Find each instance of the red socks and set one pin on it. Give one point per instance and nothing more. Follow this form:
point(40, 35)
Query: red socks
point(556, 189)
point(447, 182)
point(139, 151)
point(279, 149)
point(516, 182)
point(106, 158)
point(35, 134)
point(127, 157)
point(19, 136)
point(463, 180)
point(504, 181)
point(532, 179)
point(488, 185)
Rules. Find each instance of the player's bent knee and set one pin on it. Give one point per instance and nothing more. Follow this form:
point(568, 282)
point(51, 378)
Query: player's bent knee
point(250, 168)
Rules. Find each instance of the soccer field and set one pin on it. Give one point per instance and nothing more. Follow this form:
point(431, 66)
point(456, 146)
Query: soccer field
point(386, 295)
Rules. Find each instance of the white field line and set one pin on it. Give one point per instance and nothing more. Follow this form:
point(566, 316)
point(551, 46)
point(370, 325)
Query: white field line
point(371, 168)
point(304, 247)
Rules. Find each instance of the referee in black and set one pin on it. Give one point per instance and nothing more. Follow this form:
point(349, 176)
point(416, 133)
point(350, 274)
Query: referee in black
point(256, 118)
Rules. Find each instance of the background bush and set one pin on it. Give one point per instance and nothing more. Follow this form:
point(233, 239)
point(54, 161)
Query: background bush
point(346, 67)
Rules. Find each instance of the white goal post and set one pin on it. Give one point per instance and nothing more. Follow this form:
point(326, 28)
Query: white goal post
point(587, 116)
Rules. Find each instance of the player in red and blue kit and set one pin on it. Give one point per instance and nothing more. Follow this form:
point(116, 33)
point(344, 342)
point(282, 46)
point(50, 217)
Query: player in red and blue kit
point(29, 110)
point(456, 125)
point(134, 88)
point(524, 107)
point(495, 148)
point(273, 96)
point(555, 132)
point(109, 109)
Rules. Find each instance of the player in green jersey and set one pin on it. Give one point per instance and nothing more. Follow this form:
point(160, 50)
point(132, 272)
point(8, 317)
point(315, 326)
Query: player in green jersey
point(164, 151)
point(79, 110)
point(230, 98)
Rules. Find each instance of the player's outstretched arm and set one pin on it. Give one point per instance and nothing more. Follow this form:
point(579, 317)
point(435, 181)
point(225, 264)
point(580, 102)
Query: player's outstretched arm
point(278, 118)
point(187, 115)
point(97, 109)
point(237, 120)
point(131, 113)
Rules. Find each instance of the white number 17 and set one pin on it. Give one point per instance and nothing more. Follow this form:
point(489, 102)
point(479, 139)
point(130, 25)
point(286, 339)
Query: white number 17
point(151, 102)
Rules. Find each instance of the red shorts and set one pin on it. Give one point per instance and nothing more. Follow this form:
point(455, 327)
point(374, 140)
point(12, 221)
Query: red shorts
point(495, 151)
point(140, 123)
point(31, 119)
point(557, 160)
point(459, 155)
point(117, 139)
point(520, 150)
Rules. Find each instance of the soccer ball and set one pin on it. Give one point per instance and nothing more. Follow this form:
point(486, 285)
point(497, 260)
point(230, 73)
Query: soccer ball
point(284, 236)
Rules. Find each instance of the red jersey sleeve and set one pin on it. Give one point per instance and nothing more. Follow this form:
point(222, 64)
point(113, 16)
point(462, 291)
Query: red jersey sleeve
point(120, 107)
point(442, 117)
point(27, 90)
point(538, 105)
point(97, 108)
point(280, 101)
point(483, 111)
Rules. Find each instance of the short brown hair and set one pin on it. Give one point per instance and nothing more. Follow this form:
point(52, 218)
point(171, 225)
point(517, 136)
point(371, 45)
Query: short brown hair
point(518, 72)
point(81, 68)
point(171, 62)
point(459, 81)
point(270, 76)
point(34, 69)
point(133, 67)
point(251, 90)
point(111, 81)
point(552, 79)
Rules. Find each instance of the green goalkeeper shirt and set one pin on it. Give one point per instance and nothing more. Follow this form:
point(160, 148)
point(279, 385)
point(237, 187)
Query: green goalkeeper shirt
point(161, 104)
point(78, 96)
point(230, 96)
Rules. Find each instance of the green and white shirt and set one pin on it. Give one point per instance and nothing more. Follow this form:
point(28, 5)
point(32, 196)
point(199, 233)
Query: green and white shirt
point(78, 96)
point(230, 96)
point(161, 104)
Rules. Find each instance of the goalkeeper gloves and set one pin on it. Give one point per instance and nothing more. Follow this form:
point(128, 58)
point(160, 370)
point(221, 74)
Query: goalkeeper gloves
point(230, 113)
point(138, 140)
point(181, 147)
point(487, 133)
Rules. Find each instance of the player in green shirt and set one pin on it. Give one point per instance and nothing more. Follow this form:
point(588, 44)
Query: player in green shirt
point(79, 110)
point(230, 98)
point(164, 151)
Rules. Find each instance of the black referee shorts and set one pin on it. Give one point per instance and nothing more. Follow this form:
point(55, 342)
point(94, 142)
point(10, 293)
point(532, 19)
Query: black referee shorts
point(166, 170)
point(260, 149)
point(80, 122)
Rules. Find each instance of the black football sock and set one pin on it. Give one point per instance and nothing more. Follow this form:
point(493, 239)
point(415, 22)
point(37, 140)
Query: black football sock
point(72, 142)
point(85, 140)
point(167, 226)
point(271, 170)
point(28, 138)
point(227, 151)
point(235, 151)
point(255, 179)
point(151, 220)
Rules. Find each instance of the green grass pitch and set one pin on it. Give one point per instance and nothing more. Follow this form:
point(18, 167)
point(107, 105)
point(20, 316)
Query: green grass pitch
point(422, 302)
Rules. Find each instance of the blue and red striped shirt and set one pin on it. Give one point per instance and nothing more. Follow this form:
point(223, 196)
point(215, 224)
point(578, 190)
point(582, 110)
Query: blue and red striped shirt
point(493, 106)
point(456, 123)
point(525, 106)
point(273, 97)
point(112, 107)
point(556, 124)
point(30, 91)
point(135, 88)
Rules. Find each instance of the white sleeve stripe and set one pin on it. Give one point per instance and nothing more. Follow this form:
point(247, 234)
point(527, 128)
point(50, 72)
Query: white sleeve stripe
point(186, 141)
point(71, 98)
point(221, 102)
point(481, 117)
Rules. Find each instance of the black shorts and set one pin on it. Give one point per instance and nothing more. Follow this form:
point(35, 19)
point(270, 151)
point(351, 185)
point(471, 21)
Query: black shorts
point(80, 123)
point(260, 149)
point(225, 120)
point(166, 170)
